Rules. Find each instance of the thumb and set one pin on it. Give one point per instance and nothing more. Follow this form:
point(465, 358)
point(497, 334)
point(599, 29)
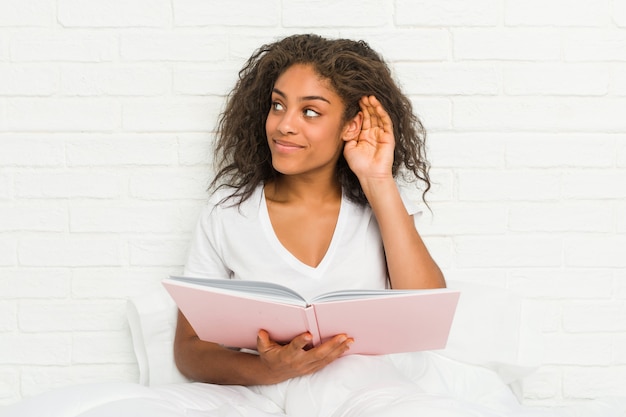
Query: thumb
point(263, 341)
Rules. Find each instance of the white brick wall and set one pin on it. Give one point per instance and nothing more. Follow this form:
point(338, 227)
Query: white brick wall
point(106, 113)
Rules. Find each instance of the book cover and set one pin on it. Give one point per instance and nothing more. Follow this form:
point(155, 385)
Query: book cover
point(231, 312)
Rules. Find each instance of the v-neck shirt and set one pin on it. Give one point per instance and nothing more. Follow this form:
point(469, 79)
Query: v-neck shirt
point(239, 242)
point(286, 255)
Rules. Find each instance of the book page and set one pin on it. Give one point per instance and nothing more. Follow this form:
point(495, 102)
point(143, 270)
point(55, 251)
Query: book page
point(255, 289)
point(358, 294)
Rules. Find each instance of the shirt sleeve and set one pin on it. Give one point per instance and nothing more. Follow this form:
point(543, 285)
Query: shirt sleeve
point(204, 259)
point(412, 202)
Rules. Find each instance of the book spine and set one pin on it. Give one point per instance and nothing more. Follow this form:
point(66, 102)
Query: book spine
point(311, 324)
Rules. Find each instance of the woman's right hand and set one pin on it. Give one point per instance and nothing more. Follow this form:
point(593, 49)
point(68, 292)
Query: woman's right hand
point(294, 359)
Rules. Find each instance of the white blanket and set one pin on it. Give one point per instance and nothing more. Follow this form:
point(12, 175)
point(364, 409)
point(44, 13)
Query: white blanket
point(420, 384)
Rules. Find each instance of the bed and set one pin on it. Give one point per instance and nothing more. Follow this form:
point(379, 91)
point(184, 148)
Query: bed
point(493, 344)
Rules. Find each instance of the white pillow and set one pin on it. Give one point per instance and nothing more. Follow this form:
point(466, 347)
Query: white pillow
point(495, 328)
point(152, 319)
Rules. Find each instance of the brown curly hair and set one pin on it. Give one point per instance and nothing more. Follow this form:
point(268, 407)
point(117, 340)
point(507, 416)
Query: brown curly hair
point(354, 70)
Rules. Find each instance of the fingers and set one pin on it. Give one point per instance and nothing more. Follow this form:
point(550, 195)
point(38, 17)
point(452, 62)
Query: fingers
point(325, 353)
point(374, 114)
point(301, 342)
point(331, 349)
point(265, 343)
point(367, 113)
point(337, 346)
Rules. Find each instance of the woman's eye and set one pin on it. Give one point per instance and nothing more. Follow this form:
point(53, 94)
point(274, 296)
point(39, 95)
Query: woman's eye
point(310, 113)
point(277, 106)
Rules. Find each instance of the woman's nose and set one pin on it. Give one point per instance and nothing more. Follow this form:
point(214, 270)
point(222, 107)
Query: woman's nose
point(287, 124)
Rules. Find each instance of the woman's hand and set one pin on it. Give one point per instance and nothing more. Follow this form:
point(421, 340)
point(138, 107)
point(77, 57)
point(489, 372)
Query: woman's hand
point(288, 361)
point(370, 155)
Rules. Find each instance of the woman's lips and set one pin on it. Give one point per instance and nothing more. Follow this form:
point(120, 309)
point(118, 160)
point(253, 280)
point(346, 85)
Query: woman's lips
point(286, 146)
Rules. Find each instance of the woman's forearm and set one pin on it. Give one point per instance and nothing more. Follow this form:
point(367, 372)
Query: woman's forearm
point(409, 263)
point(209, 362)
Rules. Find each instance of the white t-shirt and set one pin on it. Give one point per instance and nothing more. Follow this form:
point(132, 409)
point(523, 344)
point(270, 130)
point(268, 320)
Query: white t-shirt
point(238, 242)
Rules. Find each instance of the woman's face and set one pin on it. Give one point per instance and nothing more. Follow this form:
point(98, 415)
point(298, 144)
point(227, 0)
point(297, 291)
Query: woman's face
point(304, 126)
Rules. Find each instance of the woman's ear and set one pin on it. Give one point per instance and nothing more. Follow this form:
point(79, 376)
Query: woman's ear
point(352, 129)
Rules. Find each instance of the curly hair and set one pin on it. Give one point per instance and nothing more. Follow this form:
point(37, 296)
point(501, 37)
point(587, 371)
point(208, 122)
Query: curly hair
point(354, 70)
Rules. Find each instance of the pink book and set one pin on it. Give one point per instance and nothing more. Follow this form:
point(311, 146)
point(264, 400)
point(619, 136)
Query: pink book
point(231, 312)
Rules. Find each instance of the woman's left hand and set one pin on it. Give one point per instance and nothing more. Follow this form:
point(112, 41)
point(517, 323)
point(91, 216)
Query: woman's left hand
point(370, 155)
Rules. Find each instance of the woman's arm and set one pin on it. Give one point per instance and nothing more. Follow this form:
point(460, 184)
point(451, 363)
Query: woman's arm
point(210, 362)
point(408, 261)
point(370, 156)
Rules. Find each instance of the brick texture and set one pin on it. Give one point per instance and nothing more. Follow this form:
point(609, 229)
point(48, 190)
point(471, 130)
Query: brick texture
point(107, 110)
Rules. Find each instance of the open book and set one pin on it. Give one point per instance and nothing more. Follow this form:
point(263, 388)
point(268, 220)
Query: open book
point(231, 312)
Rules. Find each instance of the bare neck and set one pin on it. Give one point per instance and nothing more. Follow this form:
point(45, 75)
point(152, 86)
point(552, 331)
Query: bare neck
point(298, 190)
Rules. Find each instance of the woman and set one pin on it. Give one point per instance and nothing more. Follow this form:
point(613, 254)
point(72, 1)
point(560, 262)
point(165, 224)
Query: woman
point(310, 144)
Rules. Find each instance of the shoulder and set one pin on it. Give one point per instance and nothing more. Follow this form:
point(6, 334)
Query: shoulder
point(222, 217)
point(223, 202)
